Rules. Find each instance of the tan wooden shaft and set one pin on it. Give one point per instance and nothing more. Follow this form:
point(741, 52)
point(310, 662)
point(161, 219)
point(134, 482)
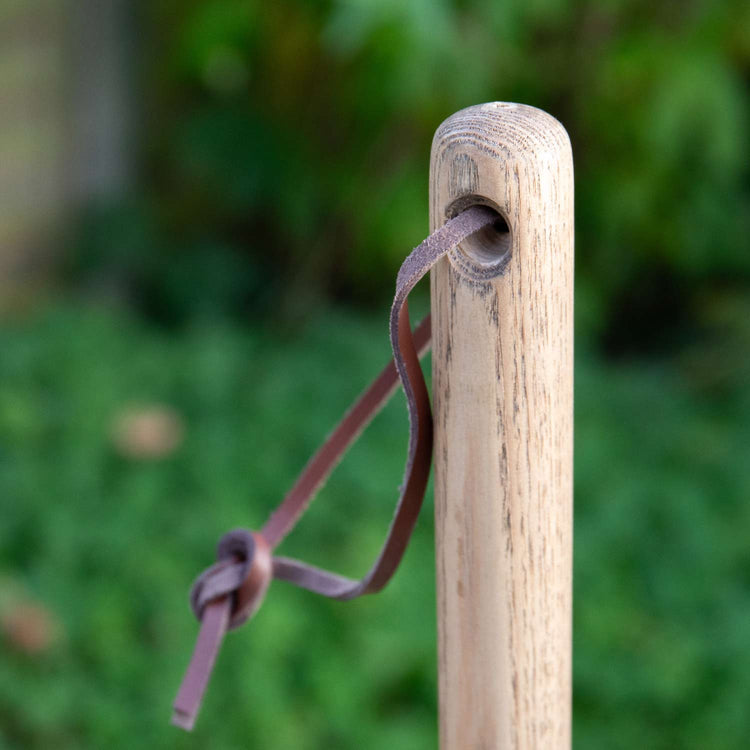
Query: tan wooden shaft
point(503, 392)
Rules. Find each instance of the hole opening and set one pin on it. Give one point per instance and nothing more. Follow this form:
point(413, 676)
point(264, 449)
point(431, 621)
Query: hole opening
point(486, 253)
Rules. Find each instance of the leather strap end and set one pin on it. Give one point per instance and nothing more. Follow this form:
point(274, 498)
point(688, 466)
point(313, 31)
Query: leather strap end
point(213, 627)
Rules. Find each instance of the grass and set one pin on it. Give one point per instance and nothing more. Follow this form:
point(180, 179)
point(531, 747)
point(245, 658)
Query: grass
point(107, 545)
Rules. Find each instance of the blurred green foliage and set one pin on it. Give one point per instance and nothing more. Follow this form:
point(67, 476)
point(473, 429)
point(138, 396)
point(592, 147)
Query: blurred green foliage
point(109, 544)
point(286, 145)
point(283, 176)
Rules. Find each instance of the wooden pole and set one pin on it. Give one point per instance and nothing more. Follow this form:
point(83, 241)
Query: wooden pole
point(502, 321)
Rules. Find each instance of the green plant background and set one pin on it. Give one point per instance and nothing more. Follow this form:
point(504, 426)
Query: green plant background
point(282, 176)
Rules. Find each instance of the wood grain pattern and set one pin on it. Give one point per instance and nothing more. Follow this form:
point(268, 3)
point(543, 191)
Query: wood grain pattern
point(503, 392)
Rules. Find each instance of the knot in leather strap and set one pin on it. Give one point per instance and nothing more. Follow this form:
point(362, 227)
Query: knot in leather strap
point(243, 571)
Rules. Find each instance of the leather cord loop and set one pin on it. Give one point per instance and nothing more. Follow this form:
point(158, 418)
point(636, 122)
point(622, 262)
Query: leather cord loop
point(229, 592)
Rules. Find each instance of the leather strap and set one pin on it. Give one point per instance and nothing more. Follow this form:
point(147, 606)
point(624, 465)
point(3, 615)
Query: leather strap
point(229, 592)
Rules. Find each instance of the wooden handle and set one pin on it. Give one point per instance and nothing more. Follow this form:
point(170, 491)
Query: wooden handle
point(502, 321)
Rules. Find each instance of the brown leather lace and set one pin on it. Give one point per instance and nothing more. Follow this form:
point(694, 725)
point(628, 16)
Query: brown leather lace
point(229, 592)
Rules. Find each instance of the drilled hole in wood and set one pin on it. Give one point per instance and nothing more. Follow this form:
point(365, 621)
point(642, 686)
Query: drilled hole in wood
point(486, 253)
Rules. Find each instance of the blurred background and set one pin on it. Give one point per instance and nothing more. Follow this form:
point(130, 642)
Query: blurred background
point(203, 204)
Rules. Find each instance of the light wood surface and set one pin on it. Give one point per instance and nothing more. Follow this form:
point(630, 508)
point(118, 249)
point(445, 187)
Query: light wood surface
point(503, 400)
